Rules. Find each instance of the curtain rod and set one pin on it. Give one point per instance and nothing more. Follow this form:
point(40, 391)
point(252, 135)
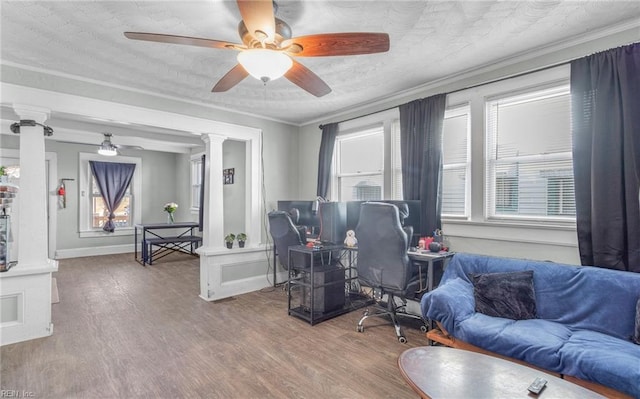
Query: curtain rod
point(517, 75)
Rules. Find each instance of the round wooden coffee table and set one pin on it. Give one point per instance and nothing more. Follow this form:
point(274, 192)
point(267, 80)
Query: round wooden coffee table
point(439, 372)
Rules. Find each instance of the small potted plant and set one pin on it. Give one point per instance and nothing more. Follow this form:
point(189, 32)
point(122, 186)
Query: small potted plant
point(3, 175)
point(229, 240)
point(241, 237)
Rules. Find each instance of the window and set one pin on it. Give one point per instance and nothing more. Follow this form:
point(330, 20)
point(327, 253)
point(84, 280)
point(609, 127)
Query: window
point(529, 165)
point(196, 181)
point(366, 159)
point(100, 213)
point(359, 165)
point(91, 206)
point(455, 162)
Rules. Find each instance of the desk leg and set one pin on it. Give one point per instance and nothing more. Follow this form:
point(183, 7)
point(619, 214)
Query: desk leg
point(430, 287)
point(135, 243)
point(275, 266)
point(312, 287)
point(144, 247)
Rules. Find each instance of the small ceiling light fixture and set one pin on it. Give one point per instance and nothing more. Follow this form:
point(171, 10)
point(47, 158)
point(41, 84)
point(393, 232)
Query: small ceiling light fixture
point(265, 64)
point(107, 148)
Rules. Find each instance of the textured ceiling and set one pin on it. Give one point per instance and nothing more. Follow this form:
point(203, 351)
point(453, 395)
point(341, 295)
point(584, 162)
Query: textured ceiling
point(429, 40)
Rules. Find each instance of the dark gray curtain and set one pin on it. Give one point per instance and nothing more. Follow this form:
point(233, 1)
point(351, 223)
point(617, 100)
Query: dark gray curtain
point(605, 116)
point(113, 180)
point(201, 205)
point(421, 152)
point(329, 133)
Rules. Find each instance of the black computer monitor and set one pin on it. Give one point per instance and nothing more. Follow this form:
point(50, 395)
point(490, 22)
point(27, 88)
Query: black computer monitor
point(333, 221)
point(307, 217)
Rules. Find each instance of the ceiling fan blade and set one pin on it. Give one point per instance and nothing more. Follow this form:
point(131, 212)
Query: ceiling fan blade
point(232, 78)
point(259, 19)
point(302, 76)
point(328, 44)
point(128, 147)
point(189, 41)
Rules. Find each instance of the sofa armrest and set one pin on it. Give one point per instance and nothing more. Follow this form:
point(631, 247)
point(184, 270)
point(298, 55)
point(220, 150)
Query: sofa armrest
point(451, 302)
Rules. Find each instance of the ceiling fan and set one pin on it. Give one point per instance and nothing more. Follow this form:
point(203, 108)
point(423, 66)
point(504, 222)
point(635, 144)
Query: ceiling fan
point(109, 149)
point(268, 49)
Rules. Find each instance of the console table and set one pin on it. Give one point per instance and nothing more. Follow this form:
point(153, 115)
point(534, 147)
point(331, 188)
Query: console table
point(439, 372)
point(184, 241)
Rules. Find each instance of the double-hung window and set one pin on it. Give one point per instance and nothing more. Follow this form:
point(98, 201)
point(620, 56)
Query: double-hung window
point(93, 213)
point(529, 169)
point(456, 162)
point(100, 213)
point(359, 166)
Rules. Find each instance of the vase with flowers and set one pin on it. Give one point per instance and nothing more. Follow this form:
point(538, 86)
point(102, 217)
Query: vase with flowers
point(170, 208)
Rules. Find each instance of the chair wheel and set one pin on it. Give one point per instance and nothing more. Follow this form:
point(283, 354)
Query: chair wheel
point(424, 328)
point(360, 329)
point(402, 340)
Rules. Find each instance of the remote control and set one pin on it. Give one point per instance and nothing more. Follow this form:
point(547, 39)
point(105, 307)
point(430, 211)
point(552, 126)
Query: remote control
point(537, 385)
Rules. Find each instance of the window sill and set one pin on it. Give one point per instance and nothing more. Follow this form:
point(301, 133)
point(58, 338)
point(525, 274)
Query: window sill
point(523, 224)
point(512, 232)
point(122, 231)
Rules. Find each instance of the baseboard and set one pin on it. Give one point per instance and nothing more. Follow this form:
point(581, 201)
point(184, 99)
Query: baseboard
point(243, 286)
point(94, 251)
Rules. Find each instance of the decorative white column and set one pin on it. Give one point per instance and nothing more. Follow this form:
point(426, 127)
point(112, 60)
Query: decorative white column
point(213, 223)
point(32, 226)
point(227, 272)
point(25, 290)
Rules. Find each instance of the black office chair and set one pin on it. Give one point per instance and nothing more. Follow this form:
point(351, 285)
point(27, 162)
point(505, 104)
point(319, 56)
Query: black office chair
point(384, 266)
point(286, 234)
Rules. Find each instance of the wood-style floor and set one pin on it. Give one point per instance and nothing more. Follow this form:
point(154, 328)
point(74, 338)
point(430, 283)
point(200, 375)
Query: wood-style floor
point(123, 330)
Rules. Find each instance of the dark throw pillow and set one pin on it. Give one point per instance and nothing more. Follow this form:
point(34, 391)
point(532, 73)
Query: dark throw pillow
point(508, 295)
point(636, 330)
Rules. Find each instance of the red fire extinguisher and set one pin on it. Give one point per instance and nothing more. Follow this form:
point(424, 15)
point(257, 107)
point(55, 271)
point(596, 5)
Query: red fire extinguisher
point(62, 194)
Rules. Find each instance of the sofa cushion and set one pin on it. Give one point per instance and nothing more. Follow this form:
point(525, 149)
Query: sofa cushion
point(507, 295)
point(535, 341)
point(604, 359)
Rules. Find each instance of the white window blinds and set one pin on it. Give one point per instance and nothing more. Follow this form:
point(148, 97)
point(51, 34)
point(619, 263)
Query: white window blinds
point(529, 169)
point(455, 162)
point(360, 165)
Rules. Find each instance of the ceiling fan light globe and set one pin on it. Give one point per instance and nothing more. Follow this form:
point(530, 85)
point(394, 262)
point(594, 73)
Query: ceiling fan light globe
point(107, 150)
point(264, 63)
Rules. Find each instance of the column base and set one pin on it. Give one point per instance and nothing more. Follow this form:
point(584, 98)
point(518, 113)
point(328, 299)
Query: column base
point(26, 302)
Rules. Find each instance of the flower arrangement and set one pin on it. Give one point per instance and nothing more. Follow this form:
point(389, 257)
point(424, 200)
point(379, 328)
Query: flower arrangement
point(170, 208)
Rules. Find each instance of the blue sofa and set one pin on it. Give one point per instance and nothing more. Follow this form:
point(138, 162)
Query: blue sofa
point(583, 329)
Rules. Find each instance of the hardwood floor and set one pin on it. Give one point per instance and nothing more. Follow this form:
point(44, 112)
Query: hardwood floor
point(123, 330)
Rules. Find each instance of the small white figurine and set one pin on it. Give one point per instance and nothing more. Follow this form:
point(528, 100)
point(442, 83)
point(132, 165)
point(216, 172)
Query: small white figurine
point(351, 240)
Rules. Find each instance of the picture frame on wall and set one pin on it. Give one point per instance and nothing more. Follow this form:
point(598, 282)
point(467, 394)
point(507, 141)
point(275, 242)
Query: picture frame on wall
point(227, 175)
